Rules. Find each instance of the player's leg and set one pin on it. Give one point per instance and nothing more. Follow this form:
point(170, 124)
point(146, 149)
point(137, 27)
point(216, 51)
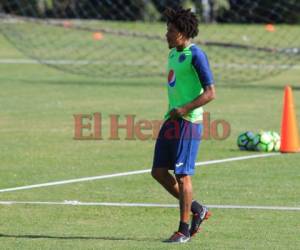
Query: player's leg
point(185, 196)
point(165, 156)
point(167, 180)
point(162, 161)
point(180, 151)
point(186, 153)
point(185, 202)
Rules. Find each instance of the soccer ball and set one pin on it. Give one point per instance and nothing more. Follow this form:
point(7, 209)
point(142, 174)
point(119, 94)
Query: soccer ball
point(245, 141)
point(263, 141)
point(276, 140)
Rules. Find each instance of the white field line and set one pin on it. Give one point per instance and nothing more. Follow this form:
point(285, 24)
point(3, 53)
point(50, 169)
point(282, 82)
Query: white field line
point(240, 158)
point(92, 178)
point(95, 62)
point(117, 204)
point(56, 183)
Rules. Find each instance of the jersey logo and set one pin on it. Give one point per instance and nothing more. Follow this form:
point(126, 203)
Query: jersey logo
point(181, 58)
point(171, 78)
point(178, 164)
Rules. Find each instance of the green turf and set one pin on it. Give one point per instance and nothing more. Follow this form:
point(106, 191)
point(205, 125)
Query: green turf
point(37, 128)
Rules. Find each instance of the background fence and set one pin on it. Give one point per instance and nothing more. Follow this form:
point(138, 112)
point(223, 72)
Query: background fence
point(245, 40)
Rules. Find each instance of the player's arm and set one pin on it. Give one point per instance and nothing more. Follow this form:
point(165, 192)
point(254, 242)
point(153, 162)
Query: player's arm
point(208, 95)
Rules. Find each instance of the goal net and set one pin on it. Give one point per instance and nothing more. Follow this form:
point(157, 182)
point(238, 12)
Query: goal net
point(244, 40)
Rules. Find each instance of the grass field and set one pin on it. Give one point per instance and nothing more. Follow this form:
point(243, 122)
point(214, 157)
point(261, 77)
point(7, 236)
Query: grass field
point(37, 128)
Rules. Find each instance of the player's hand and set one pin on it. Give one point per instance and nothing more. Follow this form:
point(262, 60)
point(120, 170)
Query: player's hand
point(178, 112)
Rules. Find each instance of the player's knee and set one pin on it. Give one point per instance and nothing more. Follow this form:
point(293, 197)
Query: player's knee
point(158, 174)
point(181, 179)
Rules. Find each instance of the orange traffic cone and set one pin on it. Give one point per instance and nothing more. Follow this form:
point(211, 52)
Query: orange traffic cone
point(289, 130)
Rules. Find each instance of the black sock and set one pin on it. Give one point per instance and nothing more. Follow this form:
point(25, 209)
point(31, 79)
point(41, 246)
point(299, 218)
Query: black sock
point(196, 207)
point(184, 229)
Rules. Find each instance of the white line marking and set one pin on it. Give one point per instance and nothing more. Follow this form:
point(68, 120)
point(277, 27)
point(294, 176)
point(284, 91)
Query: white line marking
point(63, 182)
point(55, 183)
point(240, 158)
point(118, 204)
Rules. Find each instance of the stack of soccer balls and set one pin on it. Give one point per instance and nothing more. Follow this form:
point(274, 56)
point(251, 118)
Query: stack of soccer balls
point(263, 141)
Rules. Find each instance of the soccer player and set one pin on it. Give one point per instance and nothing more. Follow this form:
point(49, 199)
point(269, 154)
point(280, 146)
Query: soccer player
point(190, 86)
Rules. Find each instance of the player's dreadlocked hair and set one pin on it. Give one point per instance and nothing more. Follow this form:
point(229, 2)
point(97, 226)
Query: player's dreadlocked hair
point(184, 20)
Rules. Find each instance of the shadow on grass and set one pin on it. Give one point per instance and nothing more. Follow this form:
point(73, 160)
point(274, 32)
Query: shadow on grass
point(41, 236)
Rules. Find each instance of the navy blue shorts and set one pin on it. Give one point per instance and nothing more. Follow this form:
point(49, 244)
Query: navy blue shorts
point(177, 146)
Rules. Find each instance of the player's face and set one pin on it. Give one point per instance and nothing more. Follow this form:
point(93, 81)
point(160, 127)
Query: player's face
point(174, 37)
